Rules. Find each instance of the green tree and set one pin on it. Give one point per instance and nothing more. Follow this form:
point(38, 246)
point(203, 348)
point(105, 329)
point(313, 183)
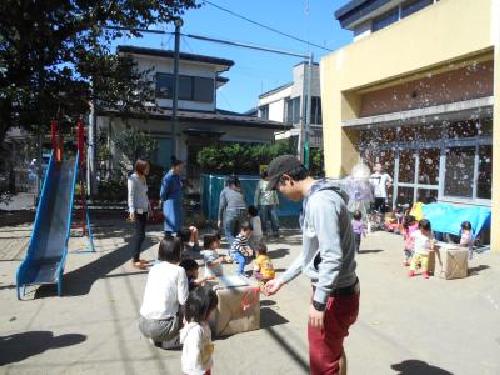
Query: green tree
point(135, 144)
point(240, 158)
point(49, 51)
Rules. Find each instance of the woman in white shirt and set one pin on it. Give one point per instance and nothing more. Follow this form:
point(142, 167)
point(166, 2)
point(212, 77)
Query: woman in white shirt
point(138, 207)
point(165, 293)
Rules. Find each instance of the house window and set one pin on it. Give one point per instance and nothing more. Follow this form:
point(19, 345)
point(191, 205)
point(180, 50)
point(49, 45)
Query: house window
point(292, 110)
point(199, 89)
point(204, 89)
point(164, 86)
point(412, 6)
point(386, 19)
point(316, 110)
point(459, 175)
point(185, 88)
point(264, 112)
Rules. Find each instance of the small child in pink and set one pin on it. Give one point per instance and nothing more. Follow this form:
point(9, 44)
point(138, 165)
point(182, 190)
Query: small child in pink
point(409, 226)
point(466, 238)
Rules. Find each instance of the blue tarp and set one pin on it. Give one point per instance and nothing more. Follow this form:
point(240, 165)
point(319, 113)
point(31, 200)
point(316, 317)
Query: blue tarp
point(212, 185)
point(447, 218)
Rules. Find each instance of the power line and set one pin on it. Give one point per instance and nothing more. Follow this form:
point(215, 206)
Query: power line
point(267, 27)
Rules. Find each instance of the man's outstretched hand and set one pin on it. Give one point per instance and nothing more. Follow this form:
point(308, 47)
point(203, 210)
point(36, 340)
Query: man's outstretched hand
point(316, 318)
point(272, 286)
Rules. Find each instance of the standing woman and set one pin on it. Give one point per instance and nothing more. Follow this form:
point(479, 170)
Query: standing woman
point(138, 207)
point(171, 196)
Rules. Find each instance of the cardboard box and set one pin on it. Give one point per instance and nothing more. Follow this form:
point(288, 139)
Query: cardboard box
point(238, 310)
point(432, 263)
point(455, 262)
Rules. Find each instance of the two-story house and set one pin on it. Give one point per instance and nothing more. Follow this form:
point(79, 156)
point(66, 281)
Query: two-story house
point(284, 104)
point(199, 122)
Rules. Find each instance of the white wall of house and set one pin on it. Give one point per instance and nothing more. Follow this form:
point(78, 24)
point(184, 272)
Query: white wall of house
point(298, 80)
point(276, 102)
point(188, 68)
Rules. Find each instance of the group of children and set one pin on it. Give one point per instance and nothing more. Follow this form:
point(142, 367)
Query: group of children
point(201, 299)
point(418, 240)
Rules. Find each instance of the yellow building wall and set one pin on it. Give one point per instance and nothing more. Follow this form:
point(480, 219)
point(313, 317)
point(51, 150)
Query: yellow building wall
point(495, 204)
point(435, 38)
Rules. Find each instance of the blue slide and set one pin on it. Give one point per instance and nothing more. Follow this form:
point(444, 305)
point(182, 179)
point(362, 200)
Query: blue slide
point(48, 247)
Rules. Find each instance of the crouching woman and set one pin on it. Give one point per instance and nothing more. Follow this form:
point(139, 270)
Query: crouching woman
point(165, 294)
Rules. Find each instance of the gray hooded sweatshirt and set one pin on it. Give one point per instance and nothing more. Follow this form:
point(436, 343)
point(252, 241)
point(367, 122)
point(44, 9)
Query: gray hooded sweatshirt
point(328, 251)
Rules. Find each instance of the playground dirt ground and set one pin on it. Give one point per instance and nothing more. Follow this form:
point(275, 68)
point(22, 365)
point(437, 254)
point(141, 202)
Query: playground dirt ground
point(406, 326)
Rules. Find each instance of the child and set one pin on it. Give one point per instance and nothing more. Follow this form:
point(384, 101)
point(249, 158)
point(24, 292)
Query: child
point(196, 336)
point(192, 272)
point(409, 226)
point(240, 251)
point(423, 244)
point(263, 269)
point(165, 292)
point(190, 237)
point(466, 236)
point(256, 237)
point(358, 228)
point(213, 261)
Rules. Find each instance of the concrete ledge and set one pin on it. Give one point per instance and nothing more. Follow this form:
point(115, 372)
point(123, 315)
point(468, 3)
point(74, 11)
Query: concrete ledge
point(453, 111)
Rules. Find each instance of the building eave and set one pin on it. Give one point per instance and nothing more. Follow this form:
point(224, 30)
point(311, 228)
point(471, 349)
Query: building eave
point(195, 116)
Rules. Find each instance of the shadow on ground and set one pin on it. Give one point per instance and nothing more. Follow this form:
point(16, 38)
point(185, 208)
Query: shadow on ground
point(475, 270)
point(370, 251)
point(278, 253)
point(79, 282)
point(416, 367)
point(270, 318)
point(18, 347)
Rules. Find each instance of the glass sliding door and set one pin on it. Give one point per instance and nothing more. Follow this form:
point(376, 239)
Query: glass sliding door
point(418, 175)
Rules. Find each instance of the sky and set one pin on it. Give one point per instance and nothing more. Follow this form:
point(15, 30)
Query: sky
point(255, 72)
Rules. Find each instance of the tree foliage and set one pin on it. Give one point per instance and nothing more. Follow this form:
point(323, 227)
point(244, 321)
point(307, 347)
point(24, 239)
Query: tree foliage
point(49, 50)
point(238, 158)
point(135, 144)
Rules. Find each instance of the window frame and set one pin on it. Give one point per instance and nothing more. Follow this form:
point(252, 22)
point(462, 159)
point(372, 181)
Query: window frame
point(190, 82)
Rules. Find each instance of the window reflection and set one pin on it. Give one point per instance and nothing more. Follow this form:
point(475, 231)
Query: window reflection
point(485, 172)
point(459, 175)
point(428, 171)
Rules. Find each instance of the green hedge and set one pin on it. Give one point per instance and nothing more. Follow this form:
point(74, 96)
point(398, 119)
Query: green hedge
point(238, 158)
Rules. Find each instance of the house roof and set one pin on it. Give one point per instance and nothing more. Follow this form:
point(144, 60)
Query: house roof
point(350, 6)
point(221, 118)
point(356, 11)
point(275, 90)
point(171, 54)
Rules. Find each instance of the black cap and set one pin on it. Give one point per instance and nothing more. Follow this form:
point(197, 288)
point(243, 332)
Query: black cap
point(279, 166)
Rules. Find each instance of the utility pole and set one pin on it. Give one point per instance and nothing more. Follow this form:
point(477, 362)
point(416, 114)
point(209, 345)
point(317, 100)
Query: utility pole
point(303, 109)
point(178, 24)
point(308, 111)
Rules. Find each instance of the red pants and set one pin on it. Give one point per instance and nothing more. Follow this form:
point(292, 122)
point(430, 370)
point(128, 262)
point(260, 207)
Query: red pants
point(326, 345)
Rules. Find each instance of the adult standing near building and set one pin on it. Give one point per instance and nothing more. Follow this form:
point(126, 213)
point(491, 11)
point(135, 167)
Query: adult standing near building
point(232, 208)
point(266, 201)
point(139, 209)
point(381, 182)
point(171, 196)
point(327, 258)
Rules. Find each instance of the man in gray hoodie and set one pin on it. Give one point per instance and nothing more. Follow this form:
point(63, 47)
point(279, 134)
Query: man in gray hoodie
point(327, 259)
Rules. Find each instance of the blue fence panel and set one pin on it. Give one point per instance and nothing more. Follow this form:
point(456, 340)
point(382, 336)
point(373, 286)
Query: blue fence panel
point(212, 185)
